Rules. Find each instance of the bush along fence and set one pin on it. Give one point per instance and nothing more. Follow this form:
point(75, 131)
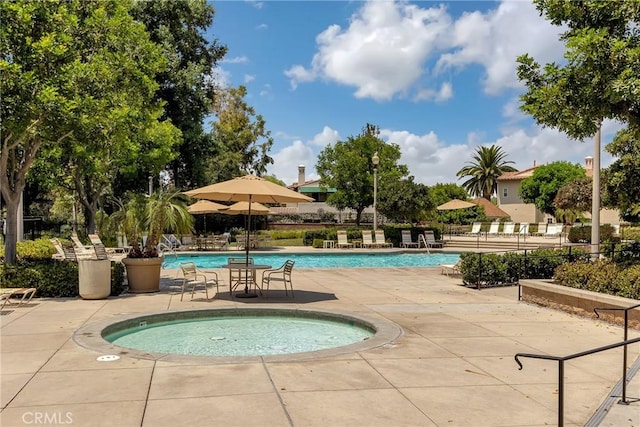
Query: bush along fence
point(615, 272)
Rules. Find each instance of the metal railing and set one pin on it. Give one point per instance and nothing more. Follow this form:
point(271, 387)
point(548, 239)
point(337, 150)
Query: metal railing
point(561, 360)
point(624, 400)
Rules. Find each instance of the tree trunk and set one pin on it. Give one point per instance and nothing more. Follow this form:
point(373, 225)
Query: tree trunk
point(11, 237)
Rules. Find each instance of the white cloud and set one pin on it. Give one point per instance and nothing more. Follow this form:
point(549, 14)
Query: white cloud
point(286, 162)
point(495, 39)
point(443, 94)
point(382, 51)
point(221, 77)
point(262, 27)
point(248, 78)
point(266, 91)
point(326, 137)
point(235, 60)
point(256, 4)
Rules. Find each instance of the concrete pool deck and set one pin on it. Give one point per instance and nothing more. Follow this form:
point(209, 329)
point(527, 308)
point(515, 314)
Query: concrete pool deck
point(453, 365)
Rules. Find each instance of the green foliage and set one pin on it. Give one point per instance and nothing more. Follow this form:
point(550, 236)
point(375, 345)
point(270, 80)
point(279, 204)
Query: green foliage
point(241, 136)
point(582, 234)
point(442, 193)
point(601, 276)
point(542, 187)
point(404, 200)
point(631, 233)
point(598, 80)
point(347, 166)
point(575, 195)
point(494, 269)
point(179, 26)
point(488, 164)
point(286, 234)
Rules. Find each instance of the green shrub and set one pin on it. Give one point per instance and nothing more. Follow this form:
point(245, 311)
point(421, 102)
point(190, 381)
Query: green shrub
point(286, 234)
point(630, 233)
point(582, 234)
point(32, 249)
point(603, 276)
point(317, 243)
point(53, 278)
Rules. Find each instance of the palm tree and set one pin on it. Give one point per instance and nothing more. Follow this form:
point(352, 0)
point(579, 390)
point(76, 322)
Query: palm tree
point(489, 163)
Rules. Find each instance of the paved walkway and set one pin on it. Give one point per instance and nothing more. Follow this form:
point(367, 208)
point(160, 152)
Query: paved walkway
point(453, 365)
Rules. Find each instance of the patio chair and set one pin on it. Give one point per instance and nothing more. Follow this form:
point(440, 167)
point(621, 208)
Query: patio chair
point(407, 242)
point(381, 240)
point(524, 229)
point(194, 277)
point(282, 274)
point(509, 229)
point(430, 240)
point(367, 240)
point(7, 293)
point(554, 230)
point(342, 240)
point(475, 229)
point(80, 248)
point(493, 229)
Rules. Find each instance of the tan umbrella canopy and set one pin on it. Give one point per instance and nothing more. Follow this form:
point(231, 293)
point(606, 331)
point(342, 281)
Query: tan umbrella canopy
point(248, 188)
point(205, 207)
point(455, 204)
point(239, 208)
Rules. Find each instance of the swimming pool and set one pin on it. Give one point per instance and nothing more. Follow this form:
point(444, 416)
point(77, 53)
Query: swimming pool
point(325, 260)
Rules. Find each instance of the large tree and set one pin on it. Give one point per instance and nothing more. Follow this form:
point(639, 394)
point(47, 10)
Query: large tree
point(347, 166)
point(542, 187)
point(404, 200)
point(488, 164)
point(186, 85)
point(242, 139)
point(598, 80)
point(622, 179)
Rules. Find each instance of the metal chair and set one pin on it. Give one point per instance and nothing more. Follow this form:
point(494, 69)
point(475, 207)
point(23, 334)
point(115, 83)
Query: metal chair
point(282, 274)
point(194, 277)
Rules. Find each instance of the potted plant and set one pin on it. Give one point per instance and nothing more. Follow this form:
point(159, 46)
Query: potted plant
point(165, 210)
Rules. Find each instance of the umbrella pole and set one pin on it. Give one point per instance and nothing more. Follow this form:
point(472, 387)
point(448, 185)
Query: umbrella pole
point(246, 293)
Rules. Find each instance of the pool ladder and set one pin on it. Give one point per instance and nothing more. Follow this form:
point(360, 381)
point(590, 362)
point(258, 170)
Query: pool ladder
point(423, 241)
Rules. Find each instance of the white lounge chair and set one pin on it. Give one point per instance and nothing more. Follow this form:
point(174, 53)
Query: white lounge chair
point(450, 269)
point(367, 240)
point(430, 240)
point(407, 242)
point(7, 293)
point(508, 229)
point(475, 229)
point(524, 229)
point(342, 240)
point(493, 229)
point(381, 240)
point(542, 229)
point(554, 230)
point(194, 277)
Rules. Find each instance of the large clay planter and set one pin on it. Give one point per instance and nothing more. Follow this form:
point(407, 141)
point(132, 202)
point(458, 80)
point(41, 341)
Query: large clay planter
point(143, 274)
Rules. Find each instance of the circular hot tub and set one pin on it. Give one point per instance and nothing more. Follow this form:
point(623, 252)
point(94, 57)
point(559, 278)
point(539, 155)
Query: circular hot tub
point(222, 335)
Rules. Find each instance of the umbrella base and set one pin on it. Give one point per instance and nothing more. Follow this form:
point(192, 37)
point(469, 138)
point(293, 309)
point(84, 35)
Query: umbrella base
point(246, 295)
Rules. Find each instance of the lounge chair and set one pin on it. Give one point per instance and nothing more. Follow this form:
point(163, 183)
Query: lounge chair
point(542, 229)
point(407, 242)
point(342, 240)
point(194, 277)
point(381, 240)
point(367, 240)
point(554, 230)
point(509, 229)
point(81, 249)
point(493, 229)
point(7, 293)
point(430, 240)
point(282, 274)
point(524, 229)
point(451, 269)
point(476, 228)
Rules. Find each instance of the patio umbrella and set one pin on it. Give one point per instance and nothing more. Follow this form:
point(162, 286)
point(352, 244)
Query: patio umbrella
point(248, 188)
point(239, 208)
point(455, 204)
point(205, 207)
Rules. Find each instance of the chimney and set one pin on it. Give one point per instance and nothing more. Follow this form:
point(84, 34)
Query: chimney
point(534, 163)
point(301, 178)
point(588, 163)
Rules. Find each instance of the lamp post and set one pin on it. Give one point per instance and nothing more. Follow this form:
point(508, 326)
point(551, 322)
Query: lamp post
point(375, 160)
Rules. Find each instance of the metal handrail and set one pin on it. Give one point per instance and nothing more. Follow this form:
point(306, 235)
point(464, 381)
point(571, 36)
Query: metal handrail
point(561, 360)
point(622, 401)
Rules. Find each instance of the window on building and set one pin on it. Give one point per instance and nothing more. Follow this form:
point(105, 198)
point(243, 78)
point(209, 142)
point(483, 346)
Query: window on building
point(505, 193)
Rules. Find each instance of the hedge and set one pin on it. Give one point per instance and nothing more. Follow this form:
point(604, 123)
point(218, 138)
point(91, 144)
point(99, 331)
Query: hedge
point(604, 276)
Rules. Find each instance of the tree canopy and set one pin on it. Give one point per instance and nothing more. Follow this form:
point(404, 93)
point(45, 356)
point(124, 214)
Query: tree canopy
point(542, 187)
point(488, 164)
point(186, 85)
point(598, 80)
point(347, 166)
point(404, 200)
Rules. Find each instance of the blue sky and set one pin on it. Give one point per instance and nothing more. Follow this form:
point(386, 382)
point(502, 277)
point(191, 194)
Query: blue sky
point(438, 79)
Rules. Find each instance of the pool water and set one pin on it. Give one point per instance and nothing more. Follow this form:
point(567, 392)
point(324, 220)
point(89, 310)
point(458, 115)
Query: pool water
point(327, 260)
point(240, 336)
